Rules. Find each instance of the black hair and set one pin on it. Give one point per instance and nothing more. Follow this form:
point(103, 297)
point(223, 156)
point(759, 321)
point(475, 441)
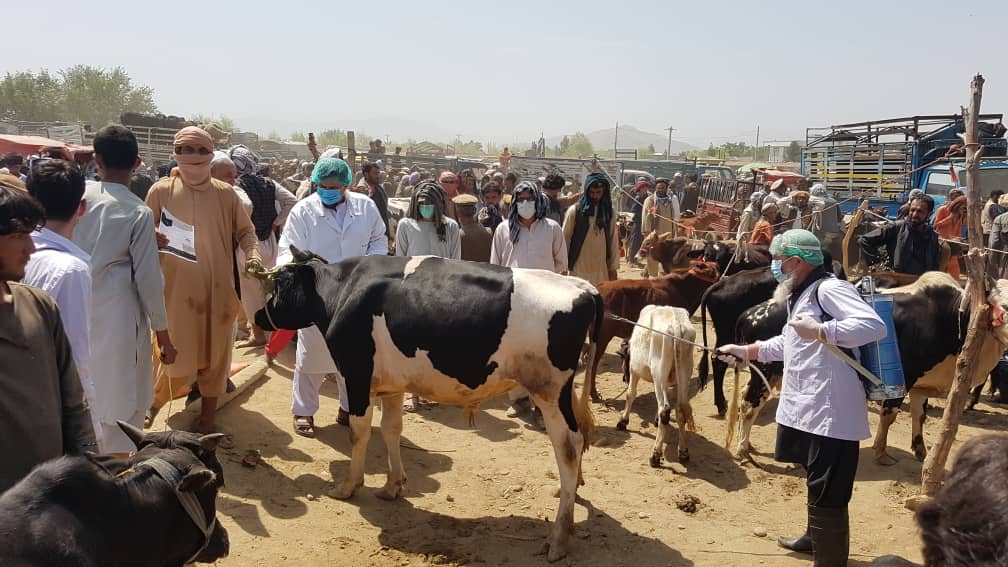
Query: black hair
point(512, 176)
point(12, 158)
point(965, 524)
point(19, 211)
point(59, 186)
point(368, 166)
point(554, 181)
point(164, 170)
point(996, 193)
point(140, 184)
point(117, 145)
point(927, 199)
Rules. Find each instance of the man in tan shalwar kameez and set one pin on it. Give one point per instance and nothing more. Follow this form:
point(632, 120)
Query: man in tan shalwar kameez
point(199, 280)
point(589, 229)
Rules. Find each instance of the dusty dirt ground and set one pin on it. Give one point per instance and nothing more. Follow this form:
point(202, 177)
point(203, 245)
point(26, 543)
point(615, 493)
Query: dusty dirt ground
point(483, 495)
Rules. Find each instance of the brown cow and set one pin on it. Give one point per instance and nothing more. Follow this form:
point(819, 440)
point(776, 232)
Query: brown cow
point(666, 249)
point(625, 298)
point(698, 223)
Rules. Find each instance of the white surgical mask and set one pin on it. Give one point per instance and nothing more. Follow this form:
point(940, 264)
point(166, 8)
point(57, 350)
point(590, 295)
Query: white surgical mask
point(526, 209)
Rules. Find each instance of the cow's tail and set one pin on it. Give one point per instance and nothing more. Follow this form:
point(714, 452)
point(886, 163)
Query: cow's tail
point(582, 411)
point(703, 368)
point(733, 410)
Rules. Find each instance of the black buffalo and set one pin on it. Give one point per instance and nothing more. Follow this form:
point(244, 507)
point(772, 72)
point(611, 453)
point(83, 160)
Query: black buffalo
point(84, 511)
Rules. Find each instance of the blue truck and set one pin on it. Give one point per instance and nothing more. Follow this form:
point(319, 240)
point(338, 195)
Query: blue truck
point(882, 160)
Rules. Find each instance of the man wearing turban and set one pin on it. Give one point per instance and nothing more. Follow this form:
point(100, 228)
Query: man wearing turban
point(589, 230)
point(206, 216)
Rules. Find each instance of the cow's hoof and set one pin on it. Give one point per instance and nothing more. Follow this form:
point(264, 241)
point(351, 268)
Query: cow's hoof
point(683, 455)
point(595, 397)
point(655, 461)
point(885, 459)
point(390, 491)
point(621, 425)
point(345, 490)
point(920, 453)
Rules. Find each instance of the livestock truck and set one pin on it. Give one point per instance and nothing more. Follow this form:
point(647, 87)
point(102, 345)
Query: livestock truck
point(882, 160)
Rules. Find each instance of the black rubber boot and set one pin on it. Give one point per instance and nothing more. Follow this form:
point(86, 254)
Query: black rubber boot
point(801, 544)
point(830, 536)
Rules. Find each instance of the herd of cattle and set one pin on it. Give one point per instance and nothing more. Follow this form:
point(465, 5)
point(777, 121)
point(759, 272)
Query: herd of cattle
point(462, 333)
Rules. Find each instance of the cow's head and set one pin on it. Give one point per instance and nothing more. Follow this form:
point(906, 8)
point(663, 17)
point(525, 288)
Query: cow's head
point(292, 300)
point(666, 249)
point(203, 447)
point(197, 476)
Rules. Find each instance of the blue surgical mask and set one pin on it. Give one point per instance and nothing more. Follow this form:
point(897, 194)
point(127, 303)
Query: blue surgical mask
point(329, 196)
point(775, 269)
point(427, 211)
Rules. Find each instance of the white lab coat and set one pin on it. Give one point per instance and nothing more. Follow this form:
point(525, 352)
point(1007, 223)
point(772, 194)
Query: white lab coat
point(358, 231)
point(820, 393)
point(127, 300)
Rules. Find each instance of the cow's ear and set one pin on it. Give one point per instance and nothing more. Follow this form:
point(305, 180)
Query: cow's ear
point(195, 479)
point(135, 435)
point(210, 441)
point(299, 255)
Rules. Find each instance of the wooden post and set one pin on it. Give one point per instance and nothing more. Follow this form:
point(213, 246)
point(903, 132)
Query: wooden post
point(979, 321)
point(854, 222)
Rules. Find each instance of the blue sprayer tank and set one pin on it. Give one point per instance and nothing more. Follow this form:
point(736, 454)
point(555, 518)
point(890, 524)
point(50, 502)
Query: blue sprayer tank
point(882, 357)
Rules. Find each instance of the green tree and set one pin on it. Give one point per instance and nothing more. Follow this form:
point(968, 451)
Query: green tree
point(273, 135)
point(793, 151)
point(30, 97)
point(98, 96)
point(576, 146)
point(298, 137)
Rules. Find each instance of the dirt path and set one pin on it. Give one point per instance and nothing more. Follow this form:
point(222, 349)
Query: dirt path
point(483, 496)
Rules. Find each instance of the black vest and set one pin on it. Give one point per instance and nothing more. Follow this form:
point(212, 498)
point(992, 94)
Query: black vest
point(262, 193)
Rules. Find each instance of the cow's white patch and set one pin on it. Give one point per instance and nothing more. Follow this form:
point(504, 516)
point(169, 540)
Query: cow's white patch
point(937, 381)
point(412, 264)
point(521, 357)
point(926, 280)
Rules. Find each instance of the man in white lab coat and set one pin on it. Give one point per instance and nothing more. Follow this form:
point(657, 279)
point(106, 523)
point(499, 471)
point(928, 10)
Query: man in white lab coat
point(822, 414)
point(336, 224)
point(127, 292)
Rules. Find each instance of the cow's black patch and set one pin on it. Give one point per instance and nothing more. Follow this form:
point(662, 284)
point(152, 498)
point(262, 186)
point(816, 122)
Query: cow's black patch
point(457, 312)
point(567, 330)
point(566, 403)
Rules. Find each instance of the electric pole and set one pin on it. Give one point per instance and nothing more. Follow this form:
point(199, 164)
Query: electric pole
point(668, 151)
point(757, 143)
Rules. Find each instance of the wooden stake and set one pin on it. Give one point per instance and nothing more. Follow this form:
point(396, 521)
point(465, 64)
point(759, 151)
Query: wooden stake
point(979, 321)
point(854, 222)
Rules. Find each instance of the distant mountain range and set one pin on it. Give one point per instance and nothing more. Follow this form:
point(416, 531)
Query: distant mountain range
point(629, 138)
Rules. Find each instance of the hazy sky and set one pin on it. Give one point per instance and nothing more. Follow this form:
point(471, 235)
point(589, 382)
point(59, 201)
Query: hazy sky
point(505, 71)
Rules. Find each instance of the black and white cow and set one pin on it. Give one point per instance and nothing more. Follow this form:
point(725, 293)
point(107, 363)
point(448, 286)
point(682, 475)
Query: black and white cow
point(453, 332)
point(931, 319)
point(81, 511)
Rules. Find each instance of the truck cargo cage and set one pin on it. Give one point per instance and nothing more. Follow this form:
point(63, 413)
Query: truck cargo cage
point(726, 198)
point(882, 158)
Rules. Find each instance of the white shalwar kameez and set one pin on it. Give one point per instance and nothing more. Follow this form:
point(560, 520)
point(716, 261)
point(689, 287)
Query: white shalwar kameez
point(127, 304)
point(355, 228)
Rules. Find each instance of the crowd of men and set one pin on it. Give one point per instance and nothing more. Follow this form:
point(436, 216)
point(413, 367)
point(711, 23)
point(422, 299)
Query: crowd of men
point(120, 294)
point(135, 287)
